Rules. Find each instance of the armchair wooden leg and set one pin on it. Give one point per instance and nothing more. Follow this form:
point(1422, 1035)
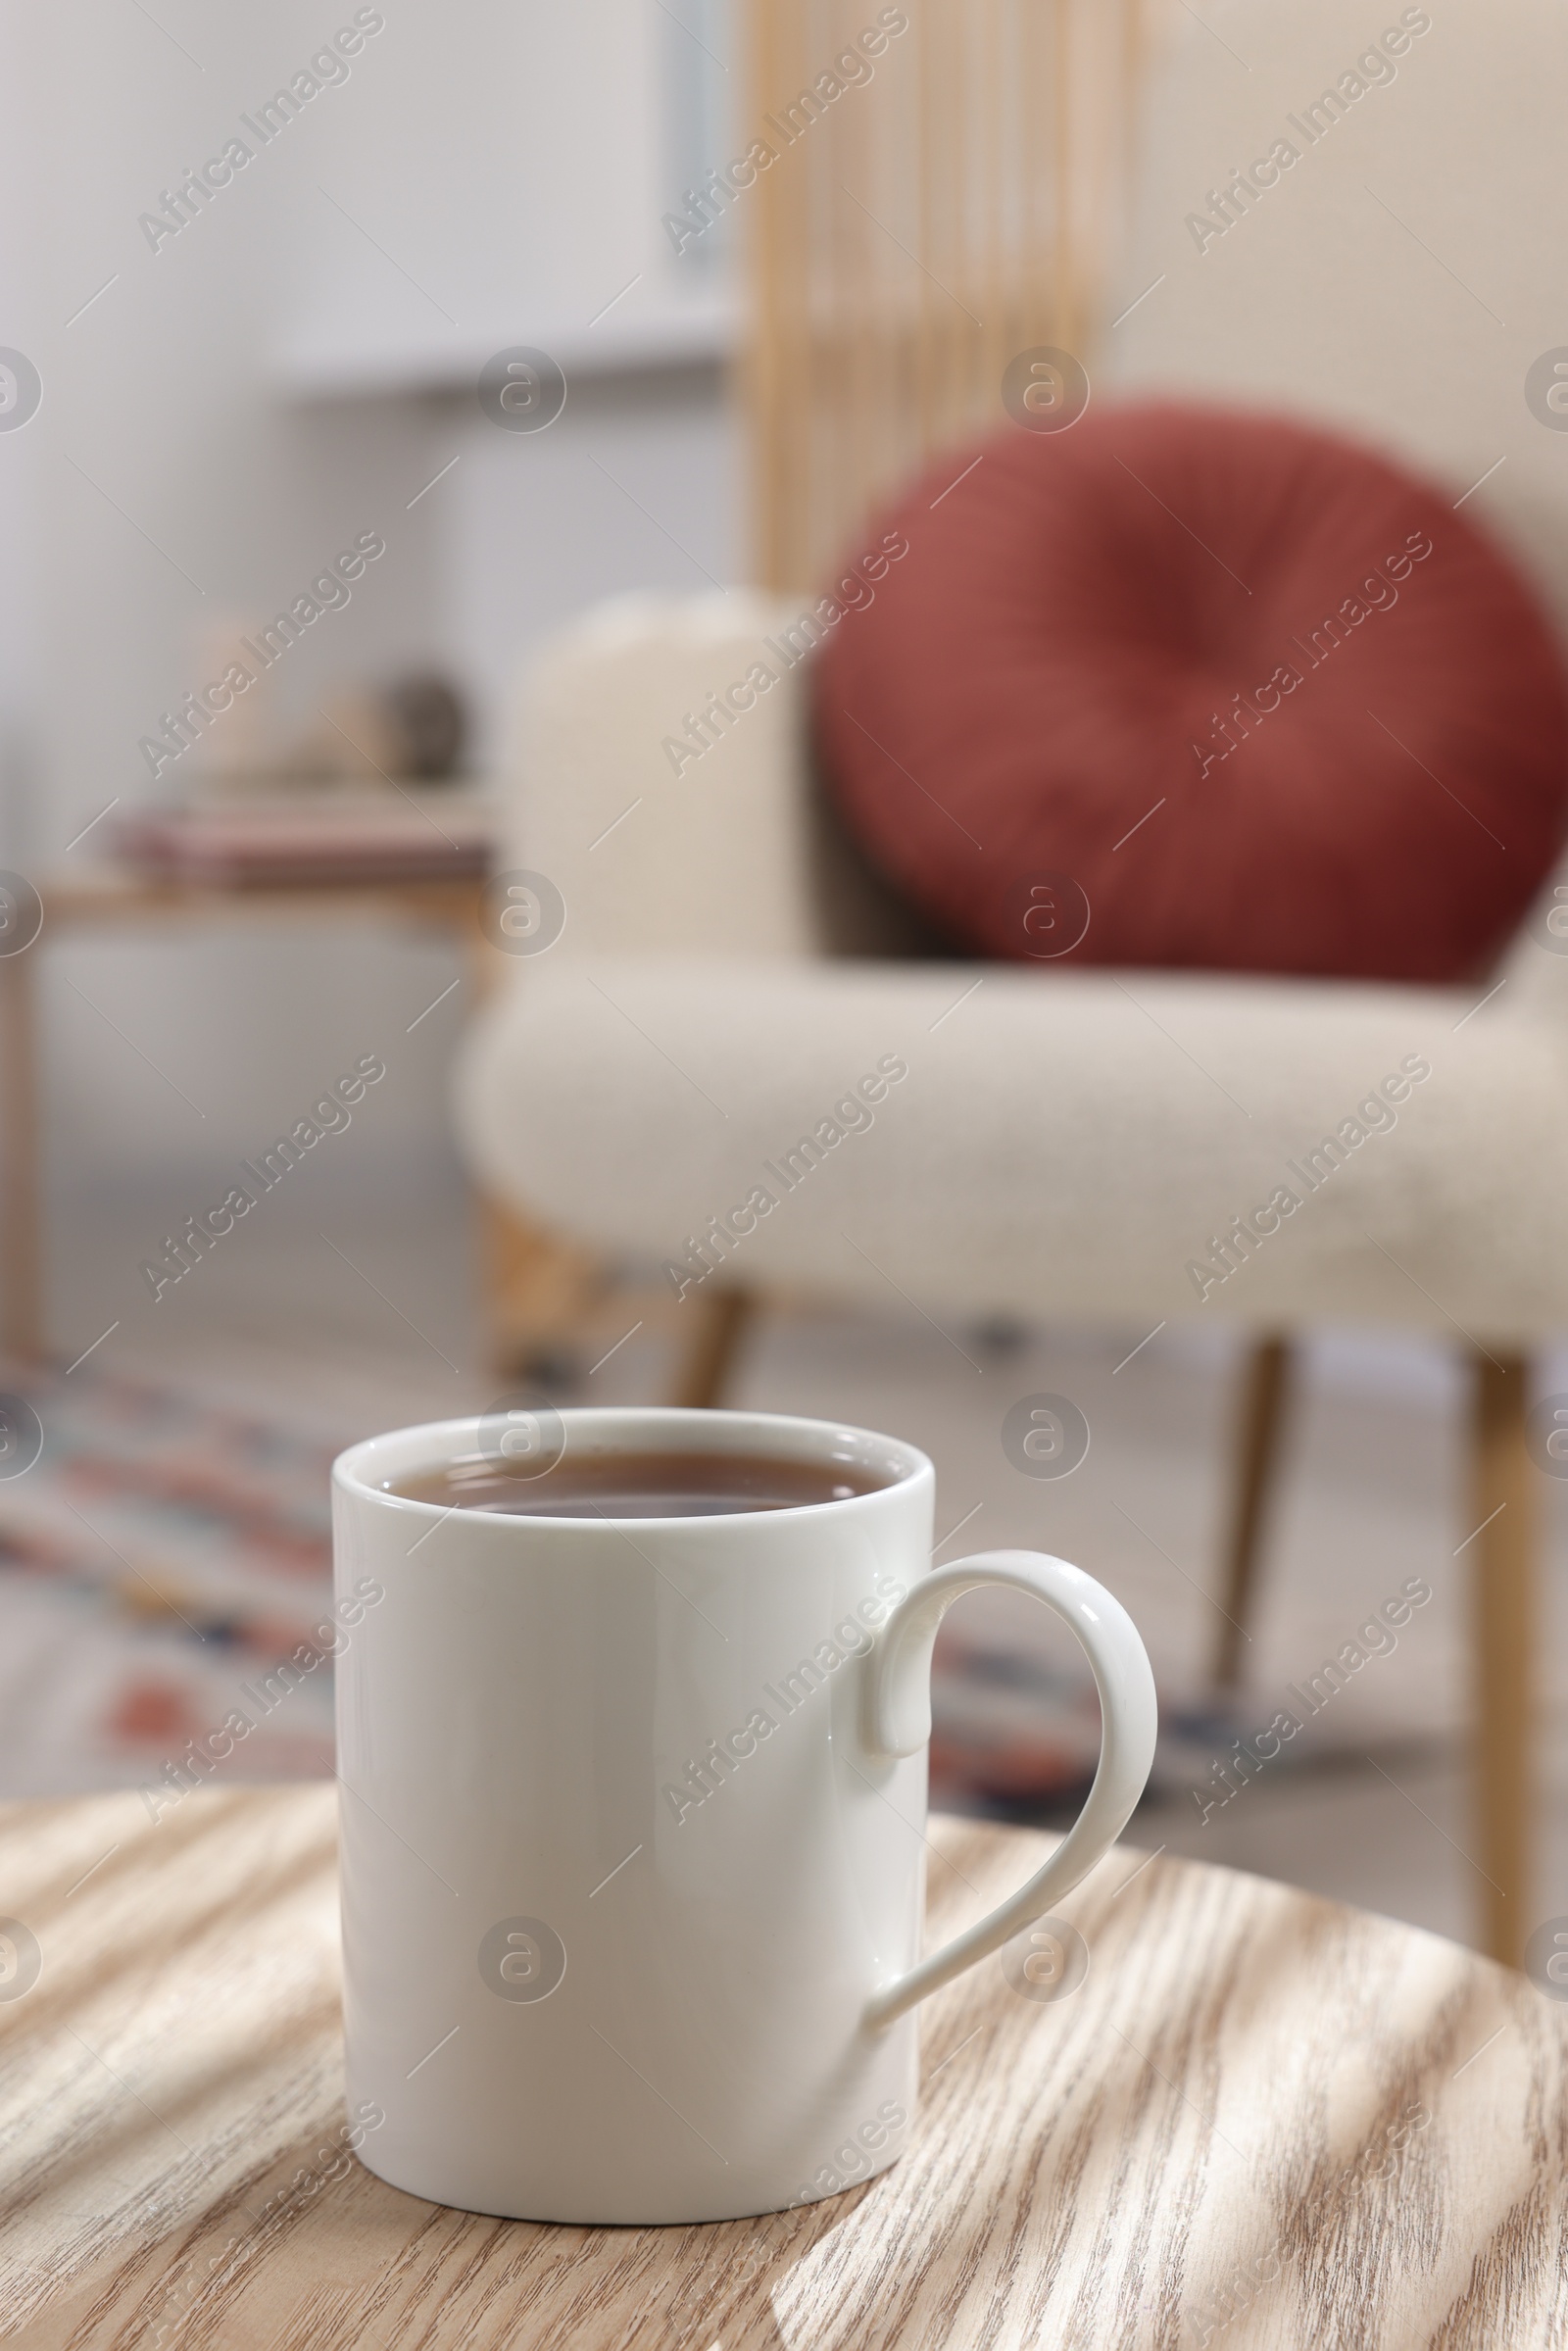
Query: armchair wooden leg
point(538, 1289)
point(20, 1234)
point(1502, 1553)
point(710, 1352)
point(1266, 1383)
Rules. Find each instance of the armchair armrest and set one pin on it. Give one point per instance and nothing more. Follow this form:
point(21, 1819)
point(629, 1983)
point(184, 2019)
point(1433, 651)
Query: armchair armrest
point(662, 780)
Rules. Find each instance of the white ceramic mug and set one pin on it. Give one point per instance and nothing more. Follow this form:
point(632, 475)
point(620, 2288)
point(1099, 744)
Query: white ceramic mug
point(633, 1819)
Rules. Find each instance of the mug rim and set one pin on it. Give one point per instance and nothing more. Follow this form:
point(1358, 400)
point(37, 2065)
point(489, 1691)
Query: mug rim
point(427, 1446)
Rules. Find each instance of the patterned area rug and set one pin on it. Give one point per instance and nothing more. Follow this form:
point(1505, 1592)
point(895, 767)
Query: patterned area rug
point(166, 1551)
point(1016, 1738)
point(163, 1553)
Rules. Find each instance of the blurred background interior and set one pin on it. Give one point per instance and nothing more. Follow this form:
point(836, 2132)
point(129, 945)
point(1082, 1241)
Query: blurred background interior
point(538, 410)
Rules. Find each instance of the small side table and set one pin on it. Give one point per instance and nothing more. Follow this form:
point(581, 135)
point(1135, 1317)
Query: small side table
point(1260, 2120)
point(535, 1284)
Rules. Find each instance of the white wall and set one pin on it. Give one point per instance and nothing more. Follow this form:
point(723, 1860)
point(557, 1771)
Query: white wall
point(1401, 275)
point(242, 401)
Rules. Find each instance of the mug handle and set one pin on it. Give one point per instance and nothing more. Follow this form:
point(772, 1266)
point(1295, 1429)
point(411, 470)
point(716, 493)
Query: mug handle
point(898, 1723)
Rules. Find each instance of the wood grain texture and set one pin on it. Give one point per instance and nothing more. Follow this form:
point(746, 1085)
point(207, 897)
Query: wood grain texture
point(1262, 2119)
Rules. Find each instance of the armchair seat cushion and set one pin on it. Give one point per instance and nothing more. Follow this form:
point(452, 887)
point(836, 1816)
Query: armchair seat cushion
point(1236, 693)
point(1123, 1147)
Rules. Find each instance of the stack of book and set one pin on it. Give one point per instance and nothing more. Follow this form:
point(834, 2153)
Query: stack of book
point(326, 834)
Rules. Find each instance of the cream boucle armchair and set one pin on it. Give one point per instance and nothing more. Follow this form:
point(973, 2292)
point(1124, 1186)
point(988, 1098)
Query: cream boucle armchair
point(1131, 1147)
point(996, 1141)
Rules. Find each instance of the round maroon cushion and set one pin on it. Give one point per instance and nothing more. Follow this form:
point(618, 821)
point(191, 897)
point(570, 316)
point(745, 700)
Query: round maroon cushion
point(1267, 700)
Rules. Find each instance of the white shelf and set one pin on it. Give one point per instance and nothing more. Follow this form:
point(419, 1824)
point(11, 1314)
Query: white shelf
point(334, 363)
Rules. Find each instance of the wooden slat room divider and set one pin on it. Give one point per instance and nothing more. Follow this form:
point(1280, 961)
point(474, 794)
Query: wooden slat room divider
point(944, 185)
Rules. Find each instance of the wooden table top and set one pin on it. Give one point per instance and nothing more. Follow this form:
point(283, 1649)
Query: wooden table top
point(1261, 2119)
